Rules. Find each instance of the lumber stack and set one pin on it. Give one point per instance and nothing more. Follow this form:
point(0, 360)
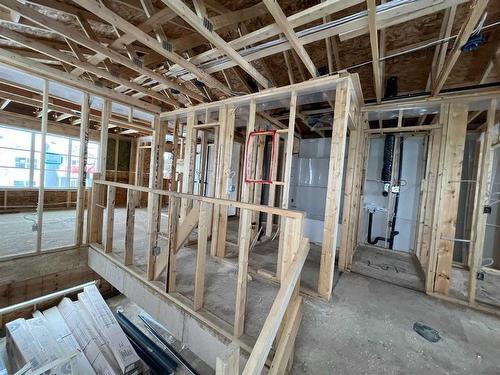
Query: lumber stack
point(76, 337)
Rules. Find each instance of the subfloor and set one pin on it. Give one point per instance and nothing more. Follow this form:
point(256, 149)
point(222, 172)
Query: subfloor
point(395, 267)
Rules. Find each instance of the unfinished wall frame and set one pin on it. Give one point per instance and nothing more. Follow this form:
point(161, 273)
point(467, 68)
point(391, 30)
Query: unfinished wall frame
point(254, 114)
point(440, 188)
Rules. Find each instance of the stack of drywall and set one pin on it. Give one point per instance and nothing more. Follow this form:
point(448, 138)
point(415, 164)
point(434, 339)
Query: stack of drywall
point(81, 337)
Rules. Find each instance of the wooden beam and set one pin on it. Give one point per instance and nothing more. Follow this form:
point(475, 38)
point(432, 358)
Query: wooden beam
point(70, 33)
point(61, 56)
point(287, 29)
point(192, 19)
point(56, 75)
point(114, 19)
point(390, 17)
point(298, 19)
point(188, 224)
point(372, 25)
point(467, 29)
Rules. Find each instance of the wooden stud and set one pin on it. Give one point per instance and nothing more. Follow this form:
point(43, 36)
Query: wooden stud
point(110, 219)
point(287, 172)
point(349, 196)
point(199, 283)
point(272, 193)
point(173, 219)
point(129, 228)
point(484, 181)
point(335, 174)
point(449, 194)
point(372, 25)
point(188, 168)
point(241, 286)
point(226, 136)
point(82, 169)
point(155, 182)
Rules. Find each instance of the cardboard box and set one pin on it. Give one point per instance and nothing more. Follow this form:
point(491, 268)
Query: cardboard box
point(88, 339)
point(112, 333)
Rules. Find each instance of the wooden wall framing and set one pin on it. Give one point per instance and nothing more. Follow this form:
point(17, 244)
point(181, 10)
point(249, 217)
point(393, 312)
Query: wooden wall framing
point(440, 190)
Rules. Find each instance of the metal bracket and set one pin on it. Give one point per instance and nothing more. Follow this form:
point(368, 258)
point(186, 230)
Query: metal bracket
point(138, 61)
point(156, 250)
point(208, 25)
point(167, 46)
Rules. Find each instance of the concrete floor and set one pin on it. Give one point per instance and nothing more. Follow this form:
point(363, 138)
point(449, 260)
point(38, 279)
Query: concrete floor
point(365, 329)
point(17, 235)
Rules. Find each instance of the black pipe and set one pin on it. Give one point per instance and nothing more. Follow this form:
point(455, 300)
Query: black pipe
point(396, 200)
point(370, 222)
point(173, 351)
point(167, 364)
point(386, 174)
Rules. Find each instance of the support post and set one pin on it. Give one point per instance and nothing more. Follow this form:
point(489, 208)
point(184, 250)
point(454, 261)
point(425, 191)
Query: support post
point(449, 194)
point(334, 187)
